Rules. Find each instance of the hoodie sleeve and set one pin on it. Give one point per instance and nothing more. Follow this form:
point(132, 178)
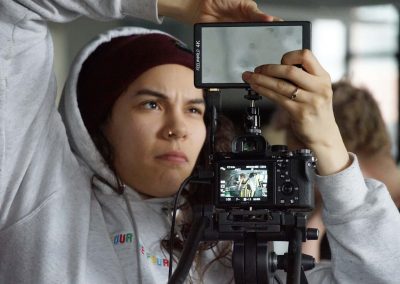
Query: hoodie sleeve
point(62, 11)
point(31, 130)
point(363, 227)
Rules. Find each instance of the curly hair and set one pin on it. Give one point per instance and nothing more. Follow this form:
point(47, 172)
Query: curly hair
point(360, 120)
point(222, 250)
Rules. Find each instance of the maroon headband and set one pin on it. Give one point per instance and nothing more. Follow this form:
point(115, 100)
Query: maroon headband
point(114, 65)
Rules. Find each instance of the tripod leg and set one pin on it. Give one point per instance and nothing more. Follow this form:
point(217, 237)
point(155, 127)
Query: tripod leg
point(294, 258)
point(264, 263)
point(250, 258)
point(251, 261)
point(238, 262)
point(244, 260)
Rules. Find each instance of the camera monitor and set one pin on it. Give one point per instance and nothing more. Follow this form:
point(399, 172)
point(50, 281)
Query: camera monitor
point(223, 51)
point(241, 183)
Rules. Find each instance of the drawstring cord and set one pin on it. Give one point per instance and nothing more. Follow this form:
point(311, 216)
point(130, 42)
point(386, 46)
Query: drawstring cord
point(121, 191)
point(135, 228)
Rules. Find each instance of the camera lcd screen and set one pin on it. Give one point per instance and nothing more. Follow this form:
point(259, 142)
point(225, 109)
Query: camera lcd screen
point(223, 51)
point(244, 184)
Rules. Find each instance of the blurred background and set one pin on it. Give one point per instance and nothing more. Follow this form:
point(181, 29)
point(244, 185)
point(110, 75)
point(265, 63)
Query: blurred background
point(353, 39)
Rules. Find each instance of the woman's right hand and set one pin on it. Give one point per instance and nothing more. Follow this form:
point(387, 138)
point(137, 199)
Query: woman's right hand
point(306, 94)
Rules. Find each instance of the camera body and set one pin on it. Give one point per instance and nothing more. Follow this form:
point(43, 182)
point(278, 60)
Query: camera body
point(275, 179)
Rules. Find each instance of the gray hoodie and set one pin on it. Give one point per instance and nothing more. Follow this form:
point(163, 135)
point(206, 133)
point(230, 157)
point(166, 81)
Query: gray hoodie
point(56, 226)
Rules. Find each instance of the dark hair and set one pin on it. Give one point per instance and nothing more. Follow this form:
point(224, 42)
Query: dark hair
point(222, 250)
point(360, 120)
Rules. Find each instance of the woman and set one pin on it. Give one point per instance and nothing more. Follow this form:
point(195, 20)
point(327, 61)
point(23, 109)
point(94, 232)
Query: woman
point(84, 197)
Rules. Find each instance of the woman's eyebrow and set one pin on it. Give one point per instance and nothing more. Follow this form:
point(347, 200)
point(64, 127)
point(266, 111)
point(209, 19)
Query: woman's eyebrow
point(143, 92)
point(159, 95)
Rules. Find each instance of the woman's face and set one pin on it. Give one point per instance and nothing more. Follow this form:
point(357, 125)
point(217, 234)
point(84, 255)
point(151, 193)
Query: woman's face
point(146, 156)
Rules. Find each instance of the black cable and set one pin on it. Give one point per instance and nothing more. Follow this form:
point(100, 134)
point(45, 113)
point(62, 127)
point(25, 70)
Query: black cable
point(277, 279)
point(172, 231)
point(189, 251)
point(303, 278)
point(199, 177)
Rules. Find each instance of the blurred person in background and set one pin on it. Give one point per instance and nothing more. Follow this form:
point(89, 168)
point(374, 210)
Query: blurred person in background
point(364, 133)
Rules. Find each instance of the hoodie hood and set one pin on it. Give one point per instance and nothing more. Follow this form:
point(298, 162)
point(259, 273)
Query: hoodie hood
point(80, 141)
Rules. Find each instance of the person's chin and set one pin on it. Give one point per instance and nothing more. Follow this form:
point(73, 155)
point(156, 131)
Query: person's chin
point(166, 181)
point(172, 185)
point(166, 192)
point(175, 173)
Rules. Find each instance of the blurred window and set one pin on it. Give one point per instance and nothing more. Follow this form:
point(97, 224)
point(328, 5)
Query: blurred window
point(329, 45)
point(363, 47)
point(372, 63)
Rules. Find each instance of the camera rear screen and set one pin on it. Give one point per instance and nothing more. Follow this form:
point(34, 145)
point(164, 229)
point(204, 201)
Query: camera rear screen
point(244, 184)
point(227, 51)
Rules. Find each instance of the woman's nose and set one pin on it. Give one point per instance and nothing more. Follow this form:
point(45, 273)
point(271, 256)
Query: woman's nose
point(175, 128)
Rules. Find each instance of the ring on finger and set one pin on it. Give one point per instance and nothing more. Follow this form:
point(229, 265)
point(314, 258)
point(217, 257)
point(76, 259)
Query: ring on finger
point(294, 94)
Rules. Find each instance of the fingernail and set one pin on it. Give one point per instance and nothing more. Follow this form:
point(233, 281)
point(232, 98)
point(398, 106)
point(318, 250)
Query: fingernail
point(246, 75)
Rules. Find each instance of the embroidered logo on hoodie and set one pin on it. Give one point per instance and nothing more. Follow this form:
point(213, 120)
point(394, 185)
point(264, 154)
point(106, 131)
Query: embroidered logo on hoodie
point(127, 239)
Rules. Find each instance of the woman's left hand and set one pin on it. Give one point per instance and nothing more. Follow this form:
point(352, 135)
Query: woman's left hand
point(306, 94)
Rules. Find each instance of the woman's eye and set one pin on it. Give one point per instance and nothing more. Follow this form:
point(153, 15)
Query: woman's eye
point(195, 110)
point(151, 105)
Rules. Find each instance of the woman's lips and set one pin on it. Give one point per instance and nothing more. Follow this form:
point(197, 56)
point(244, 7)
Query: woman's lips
point(174, 157)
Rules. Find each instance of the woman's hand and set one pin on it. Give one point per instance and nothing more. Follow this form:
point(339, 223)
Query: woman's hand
point(197, 11)
point(306, 94)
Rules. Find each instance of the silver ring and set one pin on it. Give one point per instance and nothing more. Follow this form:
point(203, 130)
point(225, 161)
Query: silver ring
point(294, 94)
point(170, 133)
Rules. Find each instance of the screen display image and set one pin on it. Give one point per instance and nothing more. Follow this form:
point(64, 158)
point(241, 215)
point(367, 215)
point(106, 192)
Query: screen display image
point(224, 52)
point(244, 184)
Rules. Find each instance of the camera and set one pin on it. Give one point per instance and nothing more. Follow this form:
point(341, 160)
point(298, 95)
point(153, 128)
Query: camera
point(256, 192)
point(259, 193)
point(276, 179)
point(254, 174)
